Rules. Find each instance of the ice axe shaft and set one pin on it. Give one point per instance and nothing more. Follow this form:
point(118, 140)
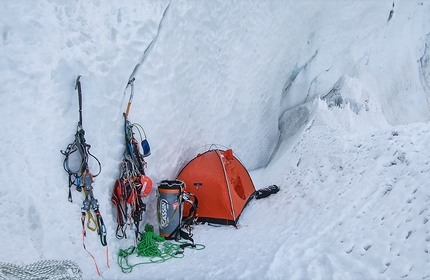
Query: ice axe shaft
point(131, 83)
point(78, 87)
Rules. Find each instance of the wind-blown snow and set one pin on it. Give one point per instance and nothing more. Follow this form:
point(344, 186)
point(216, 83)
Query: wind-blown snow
point(327, 99)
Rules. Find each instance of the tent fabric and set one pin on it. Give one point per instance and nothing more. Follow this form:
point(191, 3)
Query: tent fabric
point(221, 183)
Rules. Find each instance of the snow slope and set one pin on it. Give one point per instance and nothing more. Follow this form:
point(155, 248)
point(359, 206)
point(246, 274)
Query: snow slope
point(327, 99)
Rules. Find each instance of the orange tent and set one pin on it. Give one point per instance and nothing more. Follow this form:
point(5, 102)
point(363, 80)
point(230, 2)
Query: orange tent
point(221, 184)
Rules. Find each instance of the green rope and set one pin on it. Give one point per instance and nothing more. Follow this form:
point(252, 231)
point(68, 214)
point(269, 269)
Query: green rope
point(153, 247)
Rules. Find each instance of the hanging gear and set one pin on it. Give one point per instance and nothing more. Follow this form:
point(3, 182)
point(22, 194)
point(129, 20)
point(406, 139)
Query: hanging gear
point(83, 179)
point(170, 199)
point(133, 186)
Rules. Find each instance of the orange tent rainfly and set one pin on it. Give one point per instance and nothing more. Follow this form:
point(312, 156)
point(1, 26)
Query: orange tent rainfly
point(222, 185)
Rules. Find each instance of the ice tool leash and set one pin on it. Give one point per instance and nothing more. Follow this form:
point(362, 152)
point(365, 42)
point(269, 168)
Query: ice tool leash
point(133, 186)
point(81, 177)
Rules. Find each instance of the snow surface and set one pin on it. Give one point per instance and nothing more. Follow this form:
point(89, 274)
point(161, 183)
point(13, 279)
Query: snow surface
point(327, 99)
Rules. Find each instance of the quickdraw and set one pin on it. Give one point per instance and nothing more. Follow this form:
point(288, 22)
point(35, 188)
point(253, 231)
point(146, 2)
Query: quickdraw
point(82, 179)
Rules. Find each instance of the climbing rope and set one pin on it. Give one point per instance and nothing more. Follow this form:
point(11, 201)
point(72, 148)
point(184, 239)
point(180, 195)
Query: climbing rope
point(47, 269)
point(153, 247)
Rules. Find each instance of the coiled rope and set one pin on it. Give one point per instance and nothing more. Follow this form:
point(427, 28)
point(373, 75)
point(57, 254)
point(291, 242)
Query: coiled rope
point(153, 247)
point(47, 269)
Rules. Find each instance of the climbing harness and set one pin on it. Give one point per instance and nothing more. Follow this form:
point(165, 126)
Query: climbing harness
point(133, 186)
point(154, 249)
point(46, 269)
point(83, 179)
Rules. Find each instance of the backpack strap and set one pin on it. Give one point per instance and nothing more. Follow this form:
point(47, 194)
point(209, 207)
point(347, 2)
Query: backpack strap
point(192, 214)
point(184, 228)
